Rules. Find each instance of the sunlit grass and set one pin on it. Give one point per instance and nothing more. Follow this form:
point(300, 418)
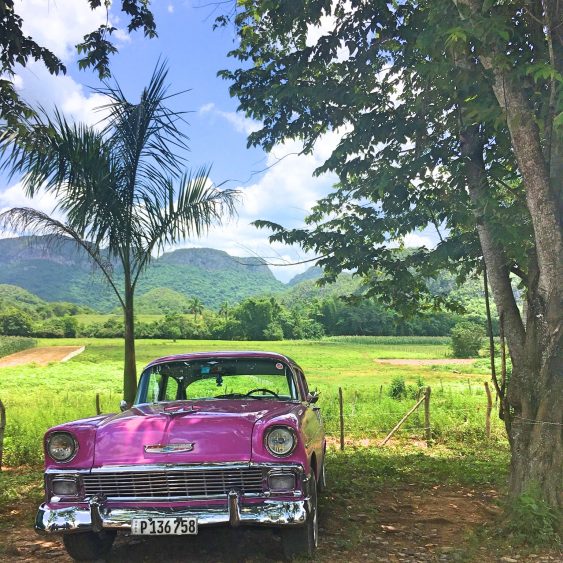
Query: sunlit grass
point(37, 398)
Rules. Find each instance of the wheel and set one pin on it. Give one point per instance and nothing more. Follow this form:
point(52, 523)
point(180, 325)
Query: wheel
point(86, 546)
point(321, 483)
point(301, 541)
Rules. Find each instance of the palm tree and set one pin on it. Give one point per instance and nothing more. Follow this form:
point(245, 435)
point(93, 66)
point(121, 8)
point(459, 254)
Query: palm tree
point(121, 187)
point(195, 307)
point(225, 310)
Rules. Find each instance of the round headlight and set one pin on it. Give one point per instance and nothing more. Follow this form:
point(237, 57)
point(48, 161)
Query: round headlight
point(280, 441)
point(61, 446)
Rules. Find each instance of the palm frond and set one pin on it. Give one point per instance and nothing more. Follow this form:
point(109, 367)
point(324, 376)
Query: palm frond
point(36, 223)
point(189, 212)
point(146, 135)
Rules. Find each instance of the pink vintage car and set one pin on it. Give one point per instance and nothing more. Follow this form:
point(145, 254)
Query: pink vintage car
point(218, 438)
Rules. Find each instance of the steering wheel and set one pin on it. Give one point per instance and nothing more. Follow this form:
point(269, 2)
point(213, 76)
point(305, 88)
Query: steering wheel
point(263, 391)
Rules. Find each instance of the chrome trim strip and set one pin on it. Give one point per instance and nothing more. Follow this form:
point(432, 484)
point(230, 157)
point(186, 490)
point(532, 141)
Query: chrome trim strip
point(234, 509)
point(267, 513)
point(176, 467)
point(179, 499)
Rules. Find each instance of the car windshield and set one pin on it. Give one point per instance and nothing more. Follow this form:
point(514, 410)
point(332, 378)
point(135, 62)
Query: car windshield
point(217, 378)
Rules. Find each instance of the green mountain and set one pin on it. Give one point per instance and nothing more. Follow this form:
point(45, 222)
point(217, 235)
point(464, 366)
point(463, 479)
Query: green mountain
point(311, 274)
point(60, 271)
point(162, 300)
point(13, 296)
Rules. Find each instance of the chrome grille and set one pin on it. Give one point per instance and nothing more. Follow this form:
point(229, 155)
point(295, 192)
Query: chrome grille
point(188, 484)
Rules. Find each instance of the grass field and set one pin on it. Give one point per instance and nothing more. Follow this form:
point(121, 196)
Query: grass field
point(39, 397)
point(407, 498)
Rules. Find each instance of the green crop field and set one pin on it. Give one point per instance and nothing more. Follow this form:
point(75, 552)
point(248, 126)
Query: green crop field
point(39, 397)
point(462, 469)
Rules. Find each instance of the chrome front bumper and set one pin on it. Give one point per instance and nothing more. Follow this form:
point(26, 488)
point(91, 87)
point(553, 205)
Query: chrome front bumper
point(97, 517)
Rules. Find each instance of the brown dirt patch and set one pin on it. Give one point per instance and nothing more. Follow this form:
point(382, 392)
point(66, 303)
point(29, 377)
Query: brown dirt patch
point(410, 525)
point(442, 362)
point(41, 356)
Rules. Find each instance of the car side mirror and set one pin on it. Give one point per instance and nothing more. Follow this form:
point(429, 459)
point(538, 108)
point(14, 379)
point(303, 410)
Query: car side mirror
point(123, 406)
point(312, 397)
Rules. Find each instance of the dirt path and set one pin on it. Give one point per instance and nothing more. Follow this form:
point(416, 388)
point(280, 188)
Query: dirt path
point(410, 526)
point(41, 356)
point(442, 362)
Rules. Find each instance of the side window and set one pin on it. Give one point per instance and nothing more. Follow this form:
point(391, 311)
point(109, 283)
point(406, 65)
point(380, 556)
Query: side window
point(171, 389)
point(153, 388)
point(302, 382)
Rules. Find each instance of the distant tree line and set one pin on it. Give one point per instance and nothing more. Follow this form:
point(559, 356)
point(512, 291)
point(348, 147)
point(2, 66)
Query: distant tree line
point(257, 318)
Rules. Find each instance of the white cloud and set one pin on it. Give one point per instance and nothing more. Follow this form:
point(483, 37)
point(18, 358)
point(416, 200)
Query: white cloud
point(59, 25)
point(38, 87)
point(240, 123)
point(284, 194)
point(415, 240)
point(170, 8)
point(14, 196)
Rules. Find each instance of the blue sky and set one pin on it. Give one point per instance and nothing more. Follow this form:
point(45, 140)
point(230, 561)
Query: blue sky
point(280, 191)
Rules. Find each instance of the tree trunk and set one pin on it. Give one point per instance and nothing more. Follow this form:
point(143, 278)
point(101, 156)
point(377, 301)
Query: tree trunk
point(533, 405)
point(2, 428)
point(535, 397)
point(130, 366)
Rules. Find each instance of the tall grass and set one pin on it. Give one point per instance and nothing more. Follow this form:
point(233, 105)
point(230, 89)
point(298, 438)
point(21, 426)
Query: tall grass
point(390, 340)
point(37, 398)
point(12, 344)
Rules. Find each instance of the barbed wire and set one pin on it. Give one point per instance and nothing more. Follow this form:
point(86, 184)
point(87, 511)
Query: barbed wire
point(532, 421)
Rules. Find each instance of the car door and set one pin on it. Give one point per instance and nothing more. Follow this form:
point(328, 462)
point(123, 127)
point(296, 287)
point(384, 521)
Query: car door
point(312, 425)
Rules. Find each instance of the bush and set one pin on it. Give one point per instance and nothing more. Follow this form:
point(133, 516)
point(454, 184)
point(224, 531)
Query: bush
point(12, 344)
point(467, 339)
point(531, 520)
point(273, 331)
point(398, 389)
point(16, 322)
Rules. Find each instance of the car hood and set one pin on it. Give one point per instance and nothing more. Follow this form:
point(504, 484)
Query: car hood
point(182, 432)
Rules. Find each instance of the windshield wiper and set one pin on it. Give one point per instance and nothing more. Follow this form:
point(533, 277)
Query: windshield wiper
point(236, 396)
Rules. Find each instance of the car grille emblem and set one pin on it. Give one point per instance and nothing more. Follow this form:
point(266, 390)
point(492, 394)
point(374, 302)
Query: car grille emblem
point(169, 448)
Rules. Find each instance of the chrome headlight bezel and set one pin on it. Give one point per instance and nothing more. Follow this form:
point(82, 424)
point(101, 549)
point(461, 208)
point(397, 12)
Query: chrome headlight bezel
point(71, 440)
point(271, 430)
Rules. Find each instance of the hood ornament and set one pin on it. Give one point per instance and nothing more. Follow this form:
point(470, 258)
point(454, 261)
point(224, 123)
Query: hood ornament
point(174, 411)
point(169, 448)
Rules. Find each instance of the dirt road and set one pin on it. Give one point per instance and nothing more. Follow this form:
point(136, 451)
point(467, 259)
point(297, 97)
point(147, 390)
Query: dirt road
point(41, 356)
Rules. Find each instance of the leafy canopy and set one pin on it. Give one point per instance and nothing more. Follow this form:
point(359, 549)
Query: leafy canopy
point(400, 83)
point(18, 49)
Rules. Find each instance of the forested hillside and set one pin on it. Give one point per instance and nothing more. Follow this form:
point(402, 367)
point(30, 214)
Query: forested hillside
point(205, 293)
point(60, 272)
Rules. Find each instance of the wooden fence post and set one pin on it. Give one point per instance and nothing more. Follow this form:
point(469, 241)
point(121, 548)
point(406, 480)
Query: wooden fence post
point(98, 408)
point(489, 409)
point(341, 403)
point(399, 424)
point(427, 415)
point(2, 428)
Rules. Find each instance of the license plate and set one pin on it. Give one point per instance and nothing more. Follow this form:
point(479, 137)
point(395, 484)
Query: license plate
point(163, 526)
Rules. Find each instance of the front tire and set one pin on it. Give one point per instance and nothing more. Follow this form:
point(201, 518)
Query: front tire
point(301, 541)
point(321, 483)
point(88, 546)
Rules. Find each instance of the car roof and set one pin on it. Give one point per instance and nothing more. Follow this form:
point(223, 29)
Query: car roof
point(226, 354)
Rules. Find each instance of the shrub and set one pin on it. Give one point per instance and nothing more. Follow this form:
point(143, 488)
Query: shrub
point(467, 339)
point(12, 344)
point(16, 322)
point(532, 520)
point(398, 389)
point(273, 331)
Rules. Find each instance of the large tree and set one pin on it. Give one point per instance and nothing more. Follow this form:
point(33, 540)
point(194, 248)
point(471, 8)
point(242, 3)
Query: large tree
point(122, 189)
point(16, 48)
point(450, 114)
